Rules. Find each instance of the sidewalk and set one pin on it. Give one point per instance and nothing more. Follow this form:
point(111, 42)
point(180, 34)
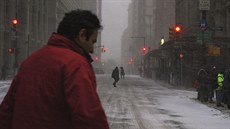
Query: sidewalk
point(224, 109)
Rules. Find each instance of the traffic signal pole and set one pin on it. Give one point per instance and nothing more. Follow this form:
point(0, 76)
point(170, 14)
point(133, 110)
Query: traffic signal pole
point(144, 50)
point(177, 31)
point(181, 62)
point(15, 66)
point(181, 66)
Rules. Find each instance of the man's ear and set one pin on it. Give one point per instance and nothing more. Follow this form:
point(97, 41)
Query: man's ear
point(81, 35)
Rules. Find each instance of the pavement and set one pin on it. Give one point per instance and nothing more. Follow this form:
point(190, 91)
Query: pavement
point(224, 109)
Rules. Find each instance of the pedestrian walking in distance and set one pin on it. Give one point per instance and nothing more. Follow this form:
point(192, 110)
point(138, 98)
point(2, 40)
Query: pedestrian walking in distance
point(115, 76)
point(122, 73)
point(55, 87)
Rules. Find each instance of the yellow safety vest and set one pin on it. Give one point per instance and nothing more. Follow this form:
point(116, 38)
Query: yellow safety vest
point(220, 80)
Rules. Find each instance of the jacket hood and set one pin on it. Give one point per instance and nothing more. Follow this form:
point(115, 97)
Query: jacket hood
point(63, 42)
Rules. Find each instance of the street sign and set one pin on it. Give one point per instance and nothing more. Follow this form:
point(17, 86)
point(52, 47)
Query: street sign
point(206, 36)
point(213, 50)
point(204, 4)
point(203, 24)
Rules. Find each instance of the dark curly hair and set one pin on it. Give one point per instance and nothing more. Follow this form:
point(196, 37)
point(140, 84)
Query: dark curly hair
point(76, 20)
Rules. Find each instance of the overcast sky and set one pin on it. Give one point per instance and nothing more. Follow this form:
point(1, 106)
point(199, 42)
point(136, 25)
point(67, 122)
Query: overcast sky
point(114, 21)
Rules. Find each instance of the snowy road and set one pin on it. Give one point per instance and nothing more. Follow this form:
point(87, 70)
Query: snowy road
point(143, 104)
point(4, 85)
point(138, 103)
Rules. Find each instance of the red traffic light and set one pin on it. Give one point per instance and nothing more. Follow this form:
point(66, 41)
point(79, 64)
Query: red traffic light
point(177, 29)
point(103, 49)
point(144, 50)
point(14, 21)
point(96, 58)
point(181, 56)
point(130, 61)
point(10, 50)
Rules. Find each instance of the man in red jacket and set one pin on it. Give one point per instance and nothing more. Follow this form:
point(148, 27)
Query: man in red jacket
point(55, 88)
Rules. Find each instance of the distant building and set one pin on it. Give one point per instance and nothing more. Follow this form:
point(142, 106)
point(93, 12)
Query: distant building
point(148, 23)
point(203, 42)
point(37, 20)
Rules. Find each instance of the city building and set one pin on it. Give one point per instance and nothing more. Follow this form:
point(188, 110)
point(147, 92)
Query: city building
point(149, 21)
point(37, 20)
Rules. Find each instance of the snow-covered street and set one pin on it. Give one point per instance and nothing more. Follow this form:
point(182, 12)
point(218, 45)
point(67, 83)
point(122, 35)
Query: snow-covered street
point(4, 86)
point(138, 103)
point(143, 104)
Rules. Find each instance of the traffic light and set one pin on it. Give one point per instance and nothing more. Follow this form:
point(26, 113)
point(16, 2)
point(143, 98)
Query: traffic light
point(96, 58)
point(144, 50)
point(181, 55)
point(177, 29)
point(10, 50)
point(14, 22)
point(103, 49)
point(162, 40)
point(171, 33)
point(130, 61)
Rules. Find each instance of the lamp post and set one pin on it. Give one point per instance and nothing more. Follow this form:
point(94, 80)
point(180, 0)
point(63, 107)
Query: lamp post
point(162, 41)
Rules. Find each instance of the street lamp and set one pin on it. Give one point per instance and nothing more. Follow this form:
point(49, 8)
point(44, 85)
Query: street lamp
point(162, 40)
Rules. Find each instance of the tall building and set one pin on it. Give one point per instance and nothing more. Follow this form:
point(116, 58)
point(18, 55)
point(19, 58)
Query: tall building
point(151, 20)
point(37, 20)
point(127, 60)
point(216, 33)
point(203, 42)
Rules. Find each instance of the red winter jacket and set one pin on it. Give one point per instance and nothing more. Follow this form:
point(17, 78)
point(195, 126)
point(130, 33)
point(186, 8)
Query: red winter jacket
point(55, 88)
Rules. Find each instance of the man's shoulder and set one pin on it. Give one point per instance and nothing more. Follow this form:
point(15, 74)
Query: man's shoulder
point(54, 55)
point(61, 52)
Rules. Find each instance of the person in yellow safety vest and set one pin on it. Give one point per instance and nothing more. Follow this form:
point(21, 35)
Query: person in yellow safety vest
point(219, 89)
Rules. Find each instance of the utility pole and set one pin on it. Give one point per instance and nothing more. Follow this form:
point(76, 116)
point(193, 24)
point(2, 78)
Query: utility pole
point(16, 51)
